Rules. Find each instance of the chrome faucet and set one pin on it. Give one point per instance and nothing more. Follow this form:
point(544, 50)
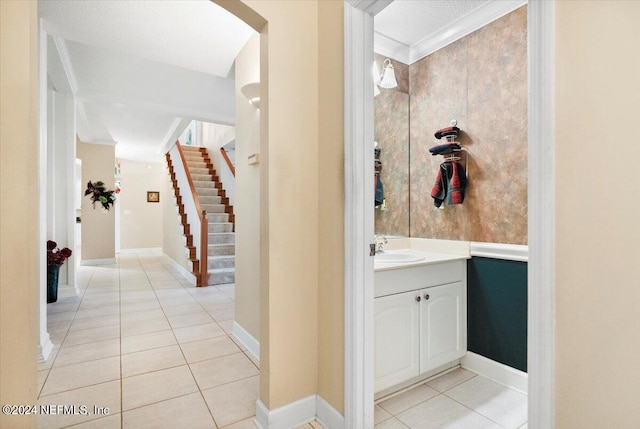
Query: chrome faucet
point(380, 240)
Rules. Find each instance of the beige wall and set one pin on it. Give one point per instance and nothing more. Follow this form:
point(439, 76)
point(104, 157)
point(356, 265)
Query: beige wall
point(140, 221)
point(19, 220)
point(214, 136)
point(247, 202)
point(597, 203)
point(331, 202)
point(98, 225)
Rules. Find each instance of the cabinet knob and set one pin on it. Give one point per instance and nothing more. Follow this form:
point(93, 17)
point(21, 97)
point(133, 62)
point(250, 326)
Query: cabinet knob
point(418, 298)
point(426, 296)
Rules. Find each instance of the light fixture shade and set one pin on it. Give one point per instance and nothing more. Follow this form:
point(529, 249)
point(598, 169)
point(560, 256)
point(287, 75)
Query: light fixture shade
point(388, 75)
point(251, 91)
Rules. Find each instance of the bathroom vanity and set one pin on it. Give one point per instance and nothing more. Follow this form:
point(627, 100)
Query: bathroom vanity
point(420, 315)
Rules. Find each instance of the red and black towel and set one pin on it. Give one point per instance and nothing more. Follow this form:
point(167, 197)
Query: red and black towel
point(450, 184)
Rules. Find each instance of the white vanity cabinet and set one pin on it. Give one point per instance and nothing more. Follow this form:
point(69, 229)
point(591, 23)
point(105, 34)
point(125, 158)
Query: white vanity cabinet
point(419, 329)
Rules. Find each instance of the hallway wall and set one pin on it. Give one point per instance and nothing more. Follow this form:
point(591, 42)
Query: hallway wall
point(19, 209)
point(98, 225)
point(140, 221)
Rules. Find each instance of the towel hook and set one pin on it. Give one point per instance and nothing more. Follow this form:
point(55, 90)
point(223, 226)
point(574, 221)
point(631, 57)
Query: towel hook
point(453, 122)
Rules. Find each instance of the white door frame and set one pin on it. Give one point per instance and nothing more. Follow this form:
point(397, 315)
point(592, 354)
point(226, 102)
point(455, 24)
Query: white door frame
point(359, 214)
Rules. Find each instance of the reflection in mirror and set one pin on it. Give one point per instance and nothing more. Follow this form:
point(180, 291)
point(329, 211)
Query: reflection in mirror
point(391, 132)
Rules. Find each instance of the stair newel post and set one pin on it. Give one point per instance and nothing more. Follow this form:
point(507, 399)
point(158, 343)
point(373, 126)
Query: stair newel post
point(204, 248)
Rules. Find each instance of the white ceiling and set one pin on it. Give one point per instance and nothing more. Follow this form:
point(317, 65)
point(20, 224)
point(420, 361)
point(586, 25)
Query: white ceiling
point(408, 30)
point(142, 70)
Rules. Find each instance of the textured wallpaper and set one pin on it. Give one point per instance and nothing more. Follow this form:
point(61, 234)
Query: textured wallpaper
point(480, 80)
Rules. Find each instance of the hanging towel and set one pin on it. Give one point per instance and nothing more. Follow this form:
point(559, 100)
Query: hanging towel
point(377, 183)
point(379, 197)
point(446, 131)
point(444, 149)
point(450, 184)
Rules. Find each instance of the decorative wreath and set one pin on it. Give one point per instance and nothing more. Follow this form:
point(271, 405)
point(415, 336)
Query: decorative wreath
point(99, 194)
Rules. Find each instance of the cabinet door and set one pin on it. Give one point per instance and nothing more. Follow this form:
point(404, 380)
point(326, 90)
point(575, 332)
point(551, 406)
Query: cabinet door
point(396, 319)
point(443, 325)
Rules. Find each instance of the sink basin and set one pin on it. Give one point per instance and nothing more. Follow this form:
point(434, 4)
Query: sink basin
point(396, 258)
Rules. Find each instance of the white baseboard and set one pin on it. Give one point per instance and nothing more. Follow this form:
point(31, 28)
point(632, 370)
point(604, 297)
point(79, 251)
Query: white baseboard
point(297, 413)
point(291, 415)
point(44, 350)
point(155, 250)
point(92, 262)
point(247, 340)
point(328, 416)
point(496, 371)
point(186, 273)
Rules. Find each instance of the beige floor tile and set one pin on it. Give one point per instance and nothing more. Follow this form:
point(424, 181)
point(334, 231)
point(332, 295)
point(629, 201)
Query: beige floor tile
point(221, 315)
point(184, 320)
point(222, 370)
point(450, 379)
point(227, 325)
point(95, 322)
point(208, 349)
point(92, 335)
point(244, 424)
point(145, 327)
point(316, 425)
point(182, 309)
point(69, 355)
point(380, 414)
point(60, 316)
point(93, 303)
point(393, 423)
point(140, 306)
point(58, 307)
point(305, 426)
point(442, 411)
point(408, 399)
point(145, 389)
point(113, 421)
point(233, 402)
point(198, 332)
point(136, 343)
point(82, 374)
point(101, 395)
point(501, 404)
point(151, 360)
point(52, 357)
point(98, 311)
point(219, 305)
point(173, 302)
point(188, 411)
point(138, 316)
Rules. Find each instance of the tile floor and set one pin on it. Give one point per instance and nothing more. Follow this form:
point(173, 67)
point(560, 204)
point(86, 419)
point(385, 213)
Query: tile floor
point(459, 399)
point(155, 350)
point(158, 353)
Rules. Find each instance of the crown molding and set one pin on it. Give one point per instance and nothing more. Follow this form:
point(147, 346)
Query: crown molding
point(465, 25)
point(372, 7)
point(391, 48)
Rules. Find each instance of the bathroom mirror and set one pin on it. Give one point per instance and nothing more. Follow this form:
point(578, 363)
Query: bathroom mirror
point(391, 132)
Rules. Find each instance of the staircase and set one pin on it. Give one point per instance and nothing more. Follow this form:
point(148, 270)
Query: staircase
point(221, 248)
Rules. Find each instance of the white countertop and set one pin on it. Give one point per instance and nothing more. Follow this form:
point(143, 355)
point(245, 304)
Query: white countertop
point(429, 259)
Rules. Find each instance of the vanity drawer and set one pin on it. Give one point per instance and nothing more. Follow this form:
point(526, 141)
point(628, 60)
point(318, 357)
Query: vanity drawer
point(414, 278)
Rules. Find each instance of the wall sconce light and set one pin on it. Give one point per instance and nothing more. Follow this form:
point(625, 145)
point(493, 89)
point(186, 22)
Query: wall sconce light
point(388, 79)
point(251, 92)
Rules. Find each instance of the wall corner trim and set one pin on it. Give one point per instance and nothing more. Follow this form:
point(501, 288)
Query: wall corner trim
point(328, 416)
point(247, 340)
point(509, 252)
point(496, 371)
point(288, 416)
point(299, 412)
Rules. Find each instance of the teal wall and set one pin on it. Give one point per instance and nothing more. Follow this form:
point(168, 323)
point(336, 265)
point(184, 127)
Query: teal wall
point(497, 310)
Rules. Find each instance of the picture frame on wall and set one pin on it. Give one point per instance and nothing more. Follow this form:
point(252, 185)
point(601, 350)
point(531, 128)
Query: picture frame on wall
point(153, 196)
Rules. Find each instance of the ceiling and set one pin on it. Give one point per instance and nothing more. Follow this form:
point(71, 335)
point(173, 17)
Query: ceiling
point(142, 70)
point(408, 30)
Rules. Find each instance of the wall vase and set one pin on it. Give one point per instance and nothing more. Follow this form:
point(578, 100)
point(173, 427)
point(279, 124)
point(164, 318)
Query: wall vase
point(53, 272)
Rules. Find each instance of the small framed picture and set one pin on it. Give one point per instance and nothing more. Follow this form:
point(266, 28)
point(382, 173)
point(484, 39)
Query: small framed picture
point(153, 197)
